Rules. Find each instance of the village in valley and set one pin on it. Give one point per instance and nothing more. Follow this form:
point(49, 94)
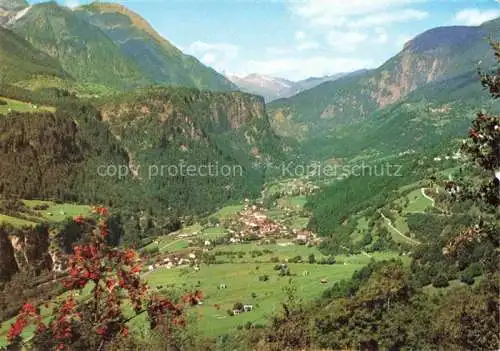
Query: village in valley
point(243, 256)
point(252, 223)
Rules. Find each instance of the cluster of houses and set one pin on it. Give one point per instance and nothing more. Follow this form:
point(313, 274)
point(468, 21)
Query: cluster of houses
point(296, 187)
point(456, 156)
point(305, 236)
point(245, 308)
point(176, 260)
point(253, 221)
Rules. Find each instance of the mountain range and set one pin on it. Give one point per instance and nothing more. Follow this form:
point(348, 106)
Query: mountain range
point(107, 51)
point(332, 116)
point(107, 45)
point(272, 88)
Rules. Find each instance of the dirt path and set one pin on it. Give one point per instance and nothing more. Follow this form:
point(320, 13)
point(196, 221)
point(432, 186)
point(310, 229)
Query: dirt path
point(389, 223)
point(422, 190)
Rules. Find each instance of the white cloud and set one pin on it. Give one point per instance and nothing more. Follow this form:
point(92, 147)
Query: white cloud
point(300, 35)
point(72, 3)
point(275, 51)
point(217, 55)
point(341, 12)
point(307, 45)
point(381, 19)
point(345, 41)
point(381, 36)
point(300, 68)
point(474, 17)
point(209, 58)
point(303, 44)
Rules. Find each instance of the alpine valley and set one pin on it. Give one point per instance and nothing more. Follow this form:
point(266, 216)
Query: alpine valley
point(149, 202)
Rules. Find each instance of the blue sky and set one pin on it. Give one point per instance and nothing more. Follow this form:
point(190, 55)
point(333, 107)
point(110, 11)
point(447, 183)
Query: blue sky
point(296, 39)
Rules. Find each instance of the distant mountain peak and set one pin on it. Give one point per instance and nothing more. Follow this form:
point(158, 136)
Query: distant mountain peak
point(13, 5)
point(453, 36)
point(136, 19)
point(272, 88)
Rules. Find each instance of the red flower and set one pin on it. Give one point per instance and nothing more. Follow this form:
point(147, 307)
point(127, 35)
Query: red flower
point(473, 133)
point(79, 219)
point(101, 330)
point(135, 269)
point(29, 308)
point(101, 211)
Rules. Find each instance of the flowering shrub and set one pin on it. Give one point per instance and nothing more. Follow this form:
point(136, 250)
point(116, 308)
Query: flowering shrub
point(113, 276)
point(483, 148)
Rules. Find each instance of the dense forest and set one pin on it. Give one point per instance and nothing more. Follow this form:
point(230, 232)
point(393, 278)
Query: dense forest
point(82, 139)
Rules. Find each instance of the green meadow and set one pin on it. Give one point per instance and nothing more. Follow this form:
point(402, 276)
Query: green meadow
point(21, 106)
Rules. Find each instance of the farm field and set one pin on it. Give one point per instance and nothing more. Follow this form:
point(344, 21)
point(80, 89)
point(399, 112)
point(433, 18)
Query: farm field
point(21, 106)
point(53, 213)
point(58, 212)
point(296, 202)
point(254, 252)
point(243, 285)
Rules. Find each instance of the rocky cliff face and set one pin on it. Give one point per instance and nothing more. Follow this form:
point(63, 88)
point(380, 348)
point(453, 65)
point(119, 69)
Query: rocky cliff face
point(223, 111)
point(23, 249)
point(10, 8)
point(174, 126)
point(8, 264)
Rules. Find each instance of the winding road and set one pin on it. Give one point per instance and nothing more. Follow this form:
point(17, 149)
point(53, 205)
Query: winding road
point(389, 223)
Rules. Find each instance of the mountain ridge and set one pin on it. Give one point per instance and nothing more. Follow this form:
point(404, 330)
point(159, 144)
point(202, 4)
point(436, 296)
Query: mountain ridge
point(109, 45)
point(353, 99)
point(274, 88)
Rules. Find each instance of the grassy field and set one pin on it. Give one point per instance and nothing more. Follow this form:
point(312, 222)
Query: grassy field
point(296, 202)
point(228, 211)
point(283, 250)
point(299, 222)
point(243, 285)
point(417, 202)
point(54, 213)
point(21, 106)
point(15, 221)
point(58, 212)
point(213, 232)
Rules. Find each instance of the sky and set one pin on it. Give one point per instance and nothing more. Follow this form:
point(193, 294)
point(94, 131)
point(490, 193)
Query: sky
point(297, 39)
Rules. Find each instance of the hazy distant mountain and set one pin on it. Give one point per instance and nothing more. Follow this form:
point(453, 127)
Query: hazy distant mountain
point(272, 88)
point(312, 82)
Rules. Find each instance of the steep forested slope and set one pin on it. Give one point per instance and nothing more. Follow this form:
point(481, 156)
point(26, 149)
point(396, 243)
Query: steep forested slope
point(83, 50)
point(19, 60)
point(109, 45)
